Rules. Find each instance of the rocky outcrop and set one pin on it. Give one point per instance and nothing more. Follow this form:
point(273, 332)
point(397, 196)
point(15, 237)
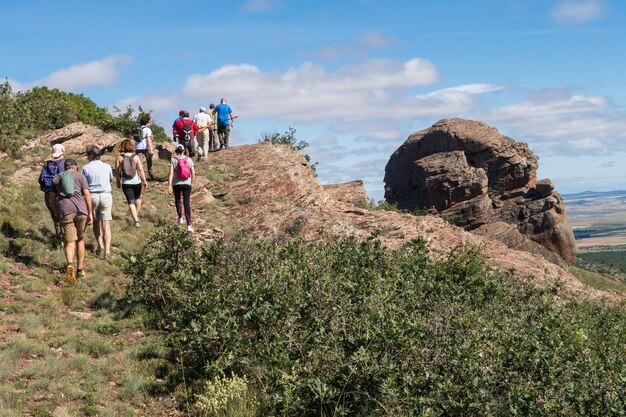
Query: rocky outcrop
point(76, 136)
point(475, 177)
point(349, 192)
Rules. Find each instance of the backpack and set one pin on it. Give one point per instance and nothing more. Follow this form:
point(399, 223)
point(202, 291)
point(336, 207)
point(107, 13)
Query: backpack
point(187, 129)
point(128, 167)
point(66, 184)
point(182, 168)
point(49, 171)
point(138, 134)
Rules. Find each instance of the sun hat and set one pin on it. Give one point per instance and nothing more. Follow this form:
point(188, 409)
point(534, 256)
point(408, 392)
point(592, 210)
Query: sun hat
point(57, 150)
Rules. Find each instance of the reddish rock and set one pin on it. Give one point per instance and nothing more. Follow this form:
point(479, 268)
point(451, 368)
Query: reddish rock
point(349, 192)
point(473, 176)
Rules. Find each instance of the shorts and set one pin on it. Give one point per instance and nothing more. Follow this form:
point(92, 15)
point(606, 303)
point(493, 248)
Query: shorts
point(132, 192)
point(102, 204)
point(73, 227)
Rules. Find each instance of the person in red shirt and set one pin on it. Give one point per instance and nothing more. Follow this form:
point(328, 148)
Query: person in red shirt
point(185, 130)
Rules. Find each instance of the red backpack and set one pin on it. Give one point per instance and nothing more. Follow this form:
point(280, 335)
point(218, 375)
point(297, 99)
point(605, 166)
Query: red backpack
point(183, 171)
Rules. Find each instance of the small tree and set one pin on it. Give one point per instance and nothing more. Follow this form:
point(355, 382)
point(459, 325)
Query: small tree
point(289, 138)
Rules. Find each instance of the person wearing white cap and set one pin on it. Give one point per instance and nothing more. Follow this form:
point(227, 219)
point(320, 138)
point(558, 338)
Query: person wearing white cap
point(203, 120)
point(52, 167)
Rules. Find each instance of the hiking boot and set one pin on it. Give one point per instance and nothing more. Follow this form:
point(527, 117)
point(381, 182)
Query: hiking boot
point(80, 274)
point(181, 220)
point(70, 277)
point(190, 229)
point(137, 223)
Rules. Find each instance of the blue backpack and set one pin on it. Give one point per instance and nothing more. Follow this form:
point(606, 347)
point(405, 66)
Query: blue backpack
point(50, 170)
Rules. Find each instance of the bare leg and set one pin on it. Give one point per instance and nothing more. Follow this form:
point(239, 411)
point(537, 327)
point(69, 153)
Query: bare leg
point(98, 233)
point(80, 253)
point(106, 232)
point(70, 249)
point(138, 206)
point(133, 211)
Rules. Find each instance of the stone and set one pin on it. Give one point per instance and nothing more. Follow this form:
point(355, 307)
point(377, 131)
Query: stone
point(349, 192)
point(473, 176)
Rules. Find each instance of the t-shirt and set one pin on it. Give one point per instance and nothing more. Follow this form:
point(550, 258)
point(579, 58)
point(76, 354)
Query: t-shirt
point(174, 163)
point(202, 119)
point(99, 175)
point(142, 145)
point(179, 126)
point(223, 114)
point(76, 203)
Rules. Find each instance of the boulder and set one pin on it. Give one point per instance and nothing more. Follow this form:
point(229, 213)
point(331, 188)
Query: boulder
point(474, 176)
point(348, 192)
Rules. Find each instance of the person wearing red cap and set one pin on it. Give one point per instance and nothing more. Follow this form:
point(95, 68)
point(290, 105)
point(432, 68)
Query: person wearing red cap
point(185, 130)
point(53, 166)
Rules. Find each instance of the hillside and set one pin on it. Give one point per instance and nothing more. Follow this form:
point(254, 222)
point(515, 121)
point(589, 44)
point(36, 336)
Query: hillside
point(80, 351)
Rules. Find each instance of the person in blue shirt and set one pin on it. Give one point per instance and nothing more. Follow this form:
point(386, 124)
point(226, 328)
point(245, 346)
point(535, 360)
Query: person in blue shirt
point(225, 121)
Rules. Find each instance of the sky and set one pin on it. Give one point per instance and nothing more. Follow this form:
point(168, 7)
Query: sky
point(354, 77)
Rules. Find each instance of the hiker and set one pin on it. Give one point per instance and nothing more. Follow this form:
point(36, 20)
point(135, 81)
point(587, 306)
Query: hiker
point(52, 167)
point(180, 180)
point(225, 121)
point(203, 120)
point(71, 201)
point(99, 176)
point(186, 129)
point(181, 113)
point(145, 145)
point(212, 129)
point(130, 177)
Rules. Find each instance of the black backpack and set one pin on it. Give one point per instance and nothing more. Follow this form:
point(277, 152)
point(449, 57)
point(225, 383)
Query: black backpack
point(187, 128)
point(50, 170)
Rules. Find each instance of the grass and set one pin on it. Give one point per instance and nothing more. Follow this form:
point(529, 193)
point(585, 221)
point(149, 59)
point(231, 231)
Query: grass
point(597, 280)
point(57, 364)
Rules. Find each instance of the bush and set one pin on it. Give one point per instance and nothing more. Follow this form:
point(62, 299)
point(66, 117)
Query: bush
point(25, 114)
point(289, 138)
point(353, 328)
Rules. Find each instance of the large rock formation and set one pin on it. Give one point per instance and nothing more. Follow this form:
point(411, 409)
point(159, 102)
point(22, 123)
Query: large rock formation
point(484, 182)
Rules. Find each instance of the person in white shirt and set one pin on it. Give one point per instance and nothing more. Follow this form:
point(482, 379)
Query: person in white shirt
point(99, 176)
point(145, 147)
point(203, 120)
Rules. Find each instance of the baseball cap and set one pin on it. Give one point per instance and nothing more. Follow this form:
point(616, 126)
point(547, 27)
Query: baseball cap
point(202, 108)
point(57, 150)
point(180, 146)
point(181, 112)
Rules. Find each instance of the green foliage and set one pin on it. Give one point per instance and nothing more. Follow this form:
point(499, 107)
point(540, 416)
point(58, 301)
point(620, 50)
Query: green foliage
point(353, 328)
point(609, 262)
point(27, 113)
point(288, 138)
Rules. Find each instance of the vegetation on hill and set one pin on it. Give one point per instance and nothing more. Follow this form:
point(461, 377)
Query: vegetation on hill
point(289, 138)
point(354, 328)
point(26, 114)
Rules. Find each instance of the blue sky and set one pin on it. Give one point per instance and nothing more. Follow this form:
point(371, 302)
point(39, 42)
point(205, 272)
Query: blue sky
point(354, 77)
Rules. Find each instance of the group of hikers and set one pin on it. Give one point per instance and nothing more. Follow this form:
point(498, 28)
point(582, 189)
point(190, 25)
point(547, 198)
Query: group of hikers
point(77, 199)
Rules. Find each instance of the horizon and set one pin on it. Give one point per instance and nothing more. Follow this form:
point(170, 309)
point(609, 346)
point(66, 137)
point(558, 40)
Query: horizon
point(355, 78)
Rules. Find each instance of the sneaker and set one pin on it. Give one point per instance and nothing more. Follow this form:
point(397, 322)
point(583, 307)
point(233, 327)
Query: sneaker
point(190, 229)
point(70, 277)
point(107, 256)
point(181, 220)
point(137, 224)
point(80, 274)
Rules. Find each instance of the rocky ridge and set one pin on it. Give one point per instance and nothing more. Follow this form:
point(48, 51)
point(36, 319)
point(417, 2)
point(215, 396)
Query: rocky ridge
point(272, 203)
point(469, 173)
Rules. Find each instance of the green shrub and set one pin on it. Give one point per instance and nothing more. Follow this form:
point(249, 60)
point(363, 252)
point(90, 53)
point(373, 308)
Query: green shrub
point(354, 328)
point(289, 138)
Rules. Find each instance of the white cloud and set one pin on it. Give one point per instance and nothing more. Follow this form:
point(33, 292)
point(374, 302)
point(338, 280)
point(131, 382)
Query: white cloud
point(375, 39)
point(310, 93)
point(103, 72)
point(574, 12)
